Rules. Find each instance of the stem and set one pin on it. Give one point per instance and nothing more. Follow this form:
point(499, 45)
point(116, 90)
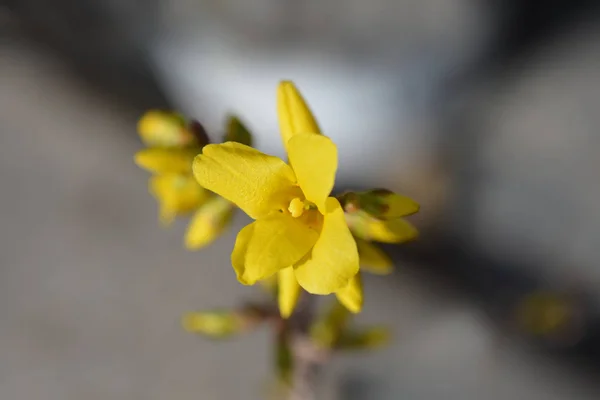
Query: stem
point(307, 357)
point(306, 371)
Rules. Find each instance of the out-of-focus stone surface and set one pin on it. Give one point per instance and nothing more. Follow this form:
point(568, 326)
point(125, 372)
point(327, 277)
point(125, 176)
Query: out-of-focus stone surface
point(91, 288)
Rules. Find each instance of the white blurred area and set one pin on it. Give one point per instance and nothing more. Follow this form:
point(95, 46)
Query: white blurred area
point(368, 69)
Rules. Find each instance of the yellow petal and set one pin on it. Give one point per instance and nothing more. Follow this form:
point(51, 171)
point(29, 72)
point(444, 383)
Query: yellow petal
point(294, 115)
point(208, 222)
point(314, 160)
point(240, 248)
point(166, 129)
point(368, 228)
point(334, 258)
point(373, 259)
point(289, 291)
point(352, 295)
point(177, 194)
point(166, 160)
point(257, 183)
point(277, 242)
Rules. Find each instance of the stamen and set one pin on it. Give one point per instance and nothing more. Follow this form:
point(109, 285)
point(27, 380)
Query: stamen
point(296, 207)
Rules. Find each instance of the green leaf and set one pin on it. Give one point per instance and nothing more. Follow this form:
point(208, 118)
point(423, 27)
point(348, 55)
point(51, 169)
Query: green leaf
point(369, 338)
point(237, 132)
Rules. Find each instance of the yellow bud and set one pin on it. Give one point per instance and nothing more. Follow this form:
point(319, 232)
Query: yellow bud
point(177, 194)
point(164, 129)
point(213, 324)
point(352, 295)
point(165, 160)
point(208, 222)
point(368, 228)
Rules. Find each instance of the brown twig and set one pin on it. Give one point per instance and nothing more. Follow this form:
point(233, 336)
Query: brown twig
point(307, 357)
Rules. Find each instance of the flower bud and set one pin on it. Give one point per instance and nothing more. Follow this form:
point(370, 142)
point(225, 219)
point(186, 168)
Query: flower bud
point(366, 227)
point(379, 203)
point(208, 222)
point(373, 259)
point(214, 324)
point(176, 194)
point(164, 129)
point(352, 295)
point(165, 160)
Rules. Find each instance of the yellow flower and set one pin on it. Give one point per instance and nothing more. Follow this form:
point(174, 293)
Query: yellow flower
point(298, 229)
point(172, 145)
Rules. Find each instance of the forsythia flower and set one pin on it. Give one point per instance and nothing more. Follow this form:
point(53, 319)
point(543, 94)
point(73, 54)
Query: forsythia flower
point(299, 230)
point(172, 146)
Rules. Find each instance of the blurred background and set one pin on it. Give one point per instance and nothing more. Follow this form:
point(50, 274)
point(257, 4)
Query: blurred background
point(484, 111)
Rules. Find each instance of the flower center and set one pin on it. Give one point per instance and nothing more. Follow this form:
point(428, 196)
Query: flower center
point(297, 207)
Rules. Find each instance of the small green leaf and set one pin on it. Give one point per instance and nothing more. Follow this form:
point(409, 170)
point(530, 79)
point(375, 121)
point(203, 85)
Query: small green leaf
point(284, 361)
point(237, 132)
point(369, 338)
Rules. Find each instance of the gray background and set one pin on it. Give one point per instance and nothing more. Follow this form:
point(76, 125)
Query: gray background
point(91, 288)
